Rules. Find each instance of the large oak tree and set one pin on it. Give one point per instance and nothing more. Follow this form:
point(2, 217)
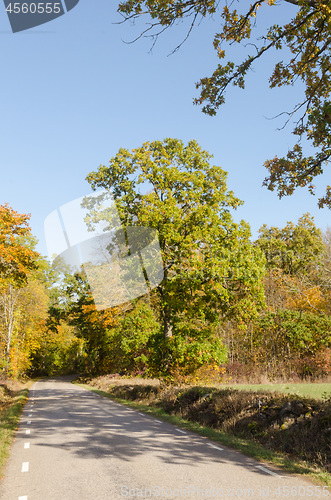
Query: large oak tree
point(211, 270)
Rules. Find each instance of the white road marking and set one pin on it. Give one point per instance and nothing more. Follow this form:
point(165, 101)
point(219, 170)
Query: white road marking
point(30, 415)
point(141, 414)
point(25, 467)
point(216, 447)
point(29, 422)
point(180, 430)
point(27, 431)
point(22, 498)
point(158, 421)
point(268, 471)
point(26, 445)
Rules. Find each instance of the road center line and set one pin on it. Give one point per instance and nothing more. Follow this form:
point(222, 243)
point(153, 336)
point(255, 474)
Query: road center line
point(22, 498)
point(27, 431)
point(158, 421)
point(268, 471)
point(26, 445)
point(25, 467)
point(29, 422)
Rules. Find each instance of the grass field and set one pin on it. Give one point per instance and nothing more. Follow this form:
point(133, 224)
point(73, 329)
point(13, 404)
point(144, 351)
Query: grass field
point(314, 390)
point(318, 390)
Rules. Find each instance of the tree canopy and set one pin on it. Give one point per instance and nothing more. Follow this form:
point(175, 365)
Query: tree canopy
point(295, 249)
point(17, 257)
point(210, 268)
point(305, 37)
point(18, 260)
point(262, 308)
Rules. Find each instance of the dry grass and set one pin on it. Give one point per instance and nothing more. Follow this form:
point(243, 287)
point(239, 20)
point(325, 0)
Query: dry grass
point(297, 426)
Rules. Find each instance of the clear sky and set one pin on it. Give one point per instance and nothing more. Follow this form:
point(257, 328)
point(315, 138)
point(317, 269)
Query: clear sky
point(73, 93)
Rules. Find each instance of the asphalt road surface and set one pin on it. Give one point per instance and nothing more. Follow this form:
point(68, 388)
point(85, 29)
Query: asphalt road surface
point(73, 444)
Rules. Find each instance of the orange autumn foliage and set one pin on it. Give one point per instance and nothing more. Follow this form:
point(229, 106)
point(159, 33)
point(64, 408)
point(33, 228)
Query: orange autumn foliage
point(16, 259)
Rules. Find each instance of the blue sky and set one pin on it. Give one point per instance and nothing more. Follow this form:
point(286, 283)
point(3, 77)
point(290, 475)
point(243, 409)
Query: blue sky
point(73, 93)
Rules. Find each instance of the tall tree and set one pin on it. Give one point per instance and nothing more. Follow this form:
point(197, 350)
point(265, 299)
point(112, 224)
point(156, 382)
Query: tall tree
point(294, 255)
point(17, 260)
point(73, 317)
point(295, 249)
point(306, 36)
point(29, 323)
point(210, 268)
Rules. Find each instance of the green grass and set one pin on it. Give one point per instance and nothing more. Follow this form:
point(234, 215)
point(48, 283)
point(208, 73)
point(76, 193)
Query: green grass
point(317, 390)
point(9, 420)
point(249, 448)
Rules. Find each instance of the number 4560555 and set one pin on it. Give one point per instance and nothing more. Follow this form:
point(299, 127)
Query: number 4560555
point(302, 491)
point(33, 8)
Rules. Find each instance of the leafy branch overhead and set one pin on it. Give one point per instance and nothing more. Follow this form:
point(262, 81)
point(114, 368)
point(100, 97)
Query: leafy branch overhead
point(306, 36)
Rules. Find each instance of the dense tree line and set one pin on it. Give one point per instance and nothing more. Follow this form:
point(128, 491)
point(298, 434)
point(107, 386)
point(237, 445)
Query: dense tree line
point(225, 302)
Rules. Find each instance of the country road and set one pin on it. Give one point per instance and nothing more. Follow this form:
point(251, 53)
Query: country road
point(75, 445)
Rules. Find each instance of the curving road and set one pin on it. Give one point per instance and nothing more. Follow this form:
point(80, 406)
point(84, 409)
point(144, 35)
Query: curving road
point(75, 445)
